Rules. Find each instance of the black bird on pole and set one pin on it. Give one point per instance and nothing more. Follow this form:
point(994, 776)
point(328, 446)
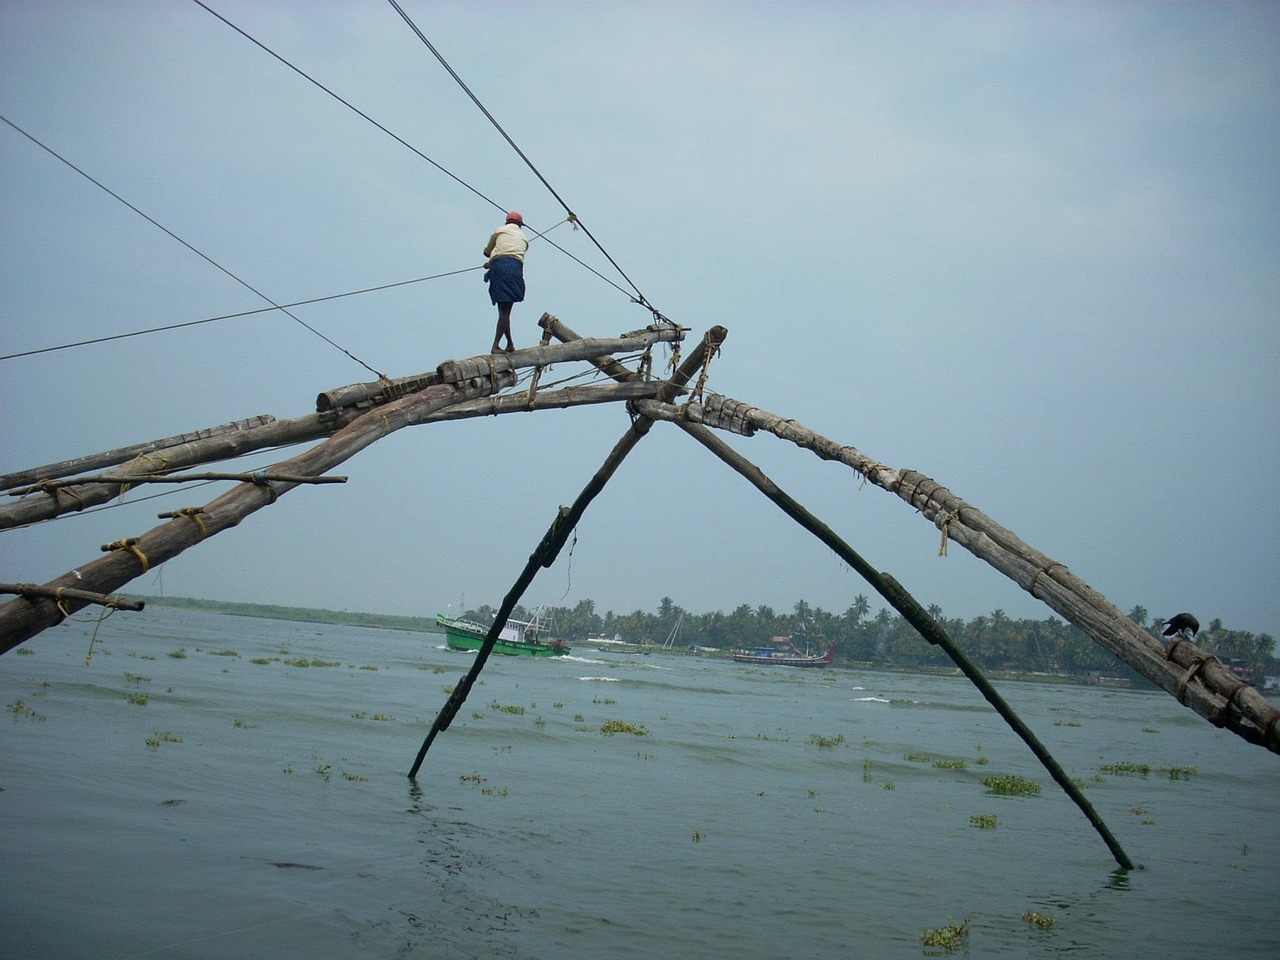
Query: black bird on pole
point(1180, 623)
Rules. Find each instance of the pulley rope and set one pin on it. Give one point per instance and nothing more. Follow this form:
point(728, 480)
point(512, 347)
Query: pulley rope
point(199, 253)
point(232, 316)
point(404, 143)
point(639, 297)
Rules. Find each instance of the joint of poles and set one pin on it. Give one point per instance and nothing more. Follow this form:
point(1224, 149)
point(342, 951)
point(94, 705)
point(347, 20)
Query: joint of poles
point(70, 593)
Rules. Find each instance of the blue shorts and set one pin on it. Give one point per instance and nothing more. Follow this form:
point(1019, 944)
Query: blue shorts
point(506, 280)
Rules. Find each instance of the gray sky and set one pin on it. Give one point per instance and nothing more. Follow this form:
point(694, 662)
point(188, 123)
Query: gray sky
point(1027, 249)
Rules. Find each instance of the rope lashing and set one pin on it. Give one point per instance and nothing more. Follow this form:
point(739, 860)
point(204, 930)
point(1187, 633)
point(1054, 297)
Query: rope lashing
point(946, 533)
point(193, 513)
point(259, 479)
point(713, 348)
point(132, 546)
point(1031, 587)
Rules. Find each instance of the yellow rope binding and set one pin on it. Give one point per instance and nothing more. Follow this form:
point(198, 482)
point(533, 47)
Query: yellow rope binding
point(132, 546)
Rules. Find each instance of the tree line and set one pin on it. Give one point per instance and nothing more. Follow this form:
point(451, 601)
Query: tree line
point(995, 641)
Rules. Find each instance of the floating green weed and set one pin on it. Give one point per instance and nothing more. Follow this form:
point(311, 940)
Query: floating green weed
point(26, 652)
point(697, 836)
point(494, 791)
point(160, 737)
point(1039, 920)
point(1125, 769)
point(352, 777)
point(515, 708)
point(1065, 723)
point(610, 727)
point(384, 717)
point(368, 666)
point(20, 709)
point(136, 678)
point(949, 937)
point(818, 740)
point(984, 821)
point(138, 699)
point(264, 660)
point(916, 757)
point(1180, 773)
point(1010, 786)
point(223, 653)
point(304, 662)
point(949, 764)
point(179, 654)
point(471, 778)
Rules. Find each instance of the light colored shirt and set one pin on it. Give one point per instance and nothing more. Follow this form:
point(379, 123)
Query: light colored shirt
point(506, 241)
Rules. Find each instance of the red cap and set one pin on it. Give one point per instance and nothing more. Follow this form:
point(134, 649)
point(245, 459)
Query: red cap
point(514, 217)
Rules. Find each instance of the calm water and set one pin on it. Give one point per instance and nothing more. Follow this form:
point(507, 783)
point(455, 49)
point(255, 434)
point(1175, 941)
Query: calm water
point(282, 824)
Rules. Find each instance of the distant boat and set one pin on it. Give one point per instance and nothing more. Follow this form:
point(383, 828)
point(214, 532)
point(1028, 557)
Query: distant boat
point(519, 638)
point(784, 657)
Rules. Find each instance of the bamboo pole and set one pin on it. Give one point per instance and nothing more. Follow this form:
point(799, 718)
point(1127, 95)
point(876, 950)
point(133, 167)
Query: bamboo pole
point(1202, 684)
point(128, 558)
point(553, 541)
point(110, 458)
point(35, 590)
point(229, 445)
point(913, 613)
point(254, 477)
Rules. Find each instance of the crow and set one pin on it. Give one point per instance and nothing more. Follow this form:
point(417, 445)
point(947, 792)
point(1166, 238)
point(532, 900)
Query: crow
point(1180, 623)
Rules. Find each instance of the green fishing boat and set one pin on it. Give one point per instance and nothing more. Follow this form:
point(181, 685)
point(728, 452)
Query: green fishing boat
point(518, 638)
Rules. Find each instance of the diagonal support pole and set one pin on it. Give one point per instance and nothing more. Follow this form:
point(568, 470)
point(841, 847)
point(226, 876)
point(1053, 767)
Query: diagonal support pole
point(553, 540)
point(913, 613)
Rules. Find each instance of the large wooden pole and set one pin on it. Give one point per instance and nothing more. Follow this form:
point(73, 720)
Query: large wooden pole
point(26, 616)
point(224, 444)
point(553, 541)
point(1196, 679)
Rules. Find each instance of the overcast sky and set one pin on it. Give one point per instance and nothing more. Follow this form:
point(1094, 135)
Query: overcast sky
point(1027, 249)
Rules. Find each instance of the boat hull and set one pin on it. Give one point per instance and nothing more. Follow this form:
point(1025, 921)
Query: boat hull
point(465, 635)
point(769, 659)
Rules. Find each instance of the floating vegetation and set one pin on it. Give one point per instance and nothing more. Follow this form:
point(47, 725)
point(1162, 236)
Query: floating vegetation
point(1180, 773)
point(20, 709)
point(360, 716)
point(494, 791)
point(223, 653)
point(262, 660)
point(384, 717)
point(1125, 769)
point(138, 699)
point(697, 836)
point(471, 778)
point(240, 723)
point(1039, 920)
point(982, 761)
point(916, 757)
point(304, 662)
point(607, 700)
point(323, 770)
point(818, 740)
point(352, 777)
point(507, 707)
point(610, 727)
point(1065, 723)
point(949, 764)
point(1150, 730)
point(368, 666)
point(984, 821)
point(578, 718)
point(889, 785)
point(539, 723)
point(26, 652)
point(160, 737)
point(950, 937)
point(477, 715)
point(1010, 786)
point(136, 678)
point(179, 654)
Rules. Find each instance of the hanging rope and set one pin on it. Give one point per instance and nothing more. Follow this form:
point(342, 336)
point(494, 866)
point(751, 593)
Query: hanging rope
point(639, 297)
point(199, 253)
